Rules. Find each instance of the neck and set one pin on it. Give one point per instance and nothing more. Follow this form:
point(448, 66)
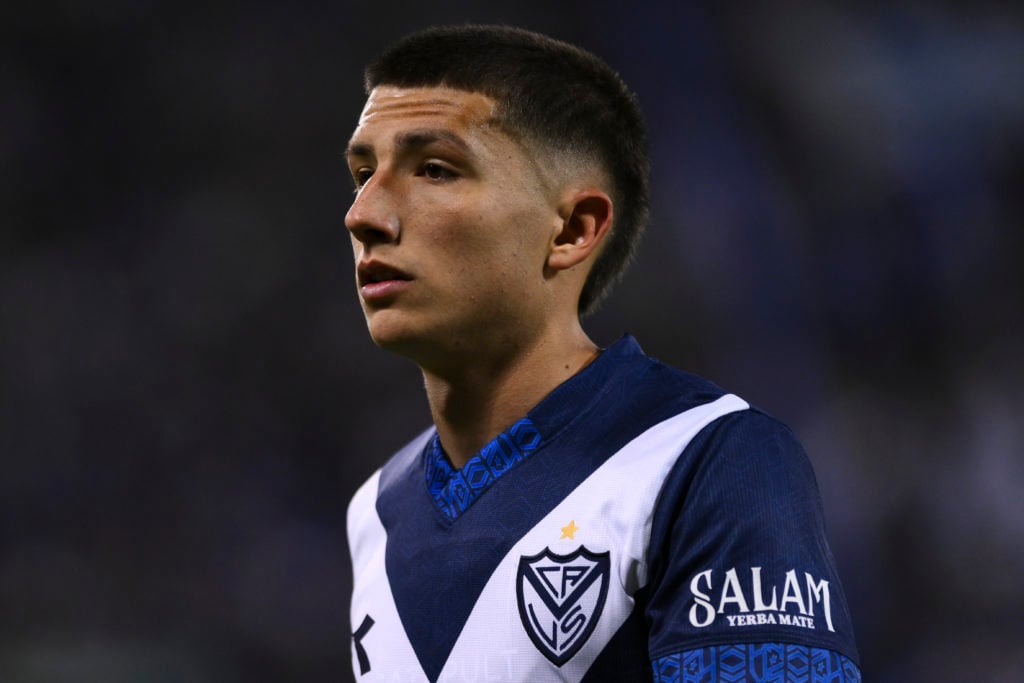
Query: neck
point(473, 402)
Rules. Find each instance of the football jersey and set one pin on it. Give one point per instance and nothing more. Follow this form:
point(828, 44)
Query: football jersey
point(638, 522)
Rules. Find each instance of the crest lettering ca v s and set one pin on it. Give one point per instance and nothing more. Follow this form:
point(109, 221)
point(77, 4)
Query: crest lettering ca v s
point(560, 599)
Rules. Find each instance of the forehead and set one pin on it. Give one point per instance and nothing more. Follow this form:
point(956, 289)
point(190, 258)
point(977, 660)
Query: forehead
point(394, 117)
point(395, 107)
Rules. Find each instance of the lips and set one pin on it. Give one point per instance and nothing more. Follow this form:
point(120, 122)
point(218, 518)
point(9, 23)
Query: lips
point(373, 272)
point(380, 282)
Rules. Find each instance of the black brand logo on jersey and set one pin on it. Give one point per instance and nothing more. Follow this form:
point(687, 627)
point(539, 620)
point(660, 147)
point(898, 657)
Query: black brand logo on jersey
point(357, 639)
point(560, 599)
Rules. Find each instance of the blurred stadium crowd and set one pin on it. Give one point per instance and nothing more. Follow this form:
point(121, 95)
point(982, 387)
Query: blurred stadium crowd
point(188, 397)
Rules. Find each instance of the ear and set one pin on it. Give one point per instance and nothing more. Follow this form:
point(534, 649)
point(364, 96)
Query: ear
point(586, 220)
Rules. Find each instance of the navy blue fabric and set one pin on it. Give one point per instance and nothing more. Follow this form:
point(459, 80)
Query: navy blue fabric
point(438, 563)
point(624, 658)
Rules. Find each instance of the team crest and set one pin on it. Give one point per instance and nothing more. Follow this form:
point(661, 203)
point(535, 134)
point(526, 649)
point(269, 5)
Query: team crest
point(560, 599)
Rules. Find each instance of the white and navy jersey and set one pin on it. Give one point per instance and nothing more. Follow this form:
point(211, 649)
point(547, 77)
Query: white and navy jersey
point(638, 522)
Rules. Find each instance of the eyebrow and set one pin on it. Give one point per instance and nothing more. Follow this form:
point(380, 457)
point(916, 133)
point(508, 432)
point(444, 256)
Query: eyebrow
point(411, 140)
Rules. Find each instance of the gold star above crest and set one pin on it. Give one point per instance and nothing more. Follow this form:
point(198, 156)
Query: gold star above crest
point(569, 530)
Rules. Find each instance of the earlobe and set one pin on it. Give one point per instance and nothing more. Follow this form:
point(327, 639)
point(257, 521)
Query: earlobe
point(587, 218)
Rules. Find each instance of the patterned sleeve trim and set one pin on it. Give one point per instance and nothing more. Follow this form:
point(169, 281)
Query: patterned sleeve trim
point(756, 663)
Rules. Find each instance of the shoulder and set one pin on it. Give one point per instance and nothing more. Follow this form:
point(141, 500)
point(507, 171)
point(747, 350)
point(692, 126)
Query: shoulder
point(666, 381)
point(750, 448)
point(406, 461)
point(401, 466)
point(738, 550)
point(747, 477)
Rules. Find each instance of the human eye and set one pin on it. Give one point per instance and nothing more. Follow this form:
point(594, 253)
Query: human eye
point(437, 171)
point(361, 175)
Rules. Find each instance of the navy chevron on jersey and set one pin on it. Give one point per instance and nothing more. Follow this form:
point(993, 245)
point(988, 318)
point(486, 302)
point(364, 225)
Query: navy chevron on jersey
point(638, 522)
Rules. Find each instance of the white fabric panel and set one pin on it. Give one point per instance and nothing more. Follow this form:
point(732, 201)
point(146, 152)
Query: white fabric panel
point(391, 655)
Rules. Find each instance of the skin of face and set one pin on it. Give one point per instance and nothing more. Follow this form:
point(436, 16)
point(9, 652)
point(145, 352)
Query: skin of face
point(452, 227)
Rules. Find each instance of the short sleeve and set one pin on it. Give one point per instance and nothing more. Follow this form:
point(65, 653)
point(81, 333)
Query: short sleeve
point(738, 552)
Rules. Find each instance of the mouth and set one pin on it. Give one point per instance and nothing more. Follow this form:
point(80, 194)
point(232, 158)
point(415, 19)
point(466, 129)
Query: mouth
point(374, 272)
point(380, 282)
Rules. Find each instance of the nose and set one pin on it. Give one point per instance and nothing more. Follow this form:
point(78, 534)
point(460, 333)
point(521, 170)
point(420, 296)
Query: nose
point(373, 218)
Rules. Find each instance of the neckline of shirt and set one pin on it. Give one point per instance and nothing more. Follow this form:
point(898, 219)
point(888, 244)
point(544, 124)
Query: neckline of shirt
point(455, 490)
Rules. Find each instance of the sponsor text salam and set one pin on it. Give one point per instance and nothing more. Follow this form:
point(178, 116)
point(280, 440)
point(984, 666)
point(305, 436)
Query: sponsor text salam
point(733, 598)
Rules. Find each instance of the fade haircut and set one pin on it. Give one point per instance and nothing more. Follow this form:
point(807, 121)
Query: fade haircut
point(548, 92)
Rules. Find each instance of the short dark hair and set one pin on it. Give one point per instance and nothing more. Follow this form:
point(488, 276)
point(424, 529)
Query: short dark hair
point(550, 92)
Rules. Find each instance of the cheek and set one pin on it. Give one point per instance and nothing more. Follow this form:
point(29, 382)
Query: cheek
point(494, 242)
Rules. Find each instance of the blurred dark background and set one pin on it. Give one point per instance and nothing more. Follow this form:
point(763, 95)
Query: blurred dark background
point(188, 397)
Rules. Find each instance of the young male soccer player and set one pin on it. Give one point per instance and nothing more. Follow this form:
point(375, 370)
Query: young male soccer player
point(574, 513)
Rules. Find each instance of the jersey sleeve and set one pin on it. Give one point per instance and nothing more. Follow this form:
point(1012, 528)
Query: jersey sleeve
point(755, 662)
point(738, 554)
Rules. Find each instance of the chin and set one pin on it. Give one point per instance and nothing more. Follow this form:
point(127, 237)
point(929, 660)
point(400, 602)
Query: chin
point(386, 338)
point(426, 345)
point(393, 333)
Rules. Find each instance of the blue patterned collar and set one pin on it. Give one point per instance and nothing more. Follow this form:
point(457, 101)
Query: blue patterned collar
point(454, 490)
